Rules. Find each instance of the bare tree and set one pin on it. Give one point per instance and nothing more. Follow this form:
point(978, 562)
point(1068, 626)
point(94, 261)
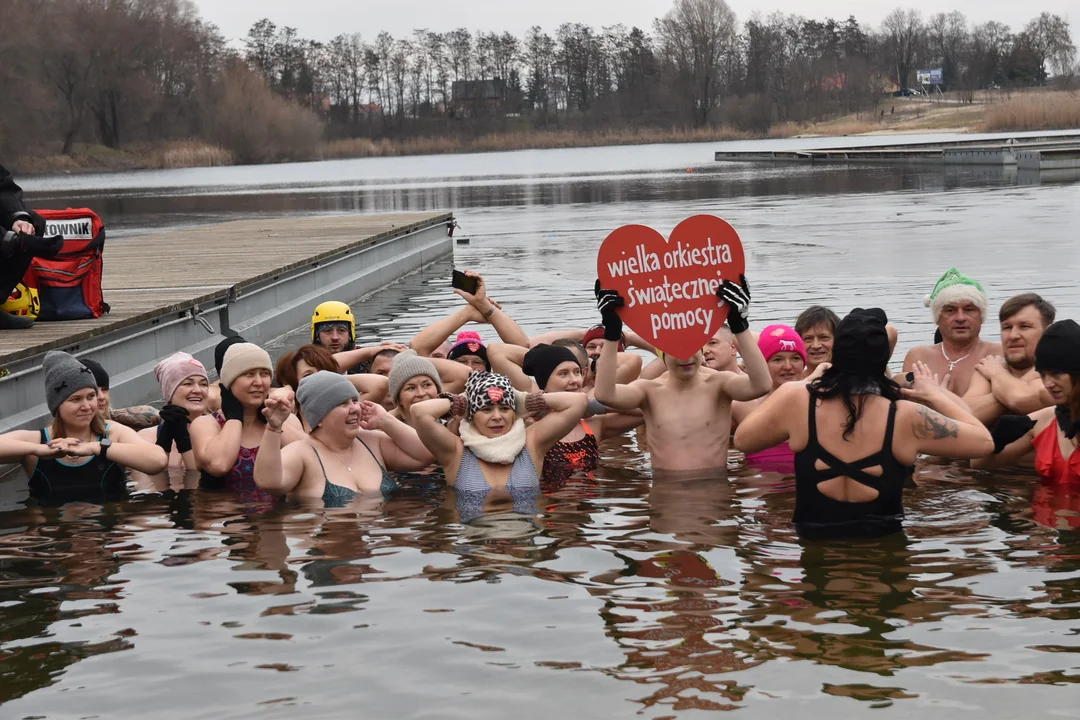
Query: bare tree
point(903, 33)
point(949, 38)
point(696, 35)
point(1050, 38)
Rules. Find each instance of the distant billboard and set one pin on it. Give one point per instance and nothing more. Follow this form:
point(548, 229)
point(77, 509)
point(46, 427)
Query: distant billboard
point(928, 77)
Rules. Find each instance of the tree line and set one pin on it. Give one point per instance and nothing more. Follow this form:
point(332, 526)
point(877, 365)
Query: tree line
point(117, 72)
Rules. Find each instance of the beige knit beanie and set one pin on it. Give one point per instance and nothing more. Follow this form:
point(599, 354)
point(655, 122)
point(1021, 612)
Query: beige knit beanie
point(240, 358)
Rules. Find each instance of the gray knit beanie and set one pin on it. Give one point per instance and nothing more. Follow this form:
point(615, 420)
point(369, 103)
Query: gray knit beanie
point(320, 393)
point(408, 365)
point(64, 376)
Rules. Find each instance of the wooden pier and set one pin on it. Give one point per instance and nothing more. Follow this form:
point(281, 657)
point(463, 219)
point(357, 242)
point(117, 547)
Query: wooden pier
point(187, 289)
point(982, 151)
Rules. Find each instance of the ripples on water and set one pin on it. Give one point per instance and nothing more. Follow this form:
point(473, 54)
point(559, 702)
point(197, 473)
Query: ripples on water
point(618, 598)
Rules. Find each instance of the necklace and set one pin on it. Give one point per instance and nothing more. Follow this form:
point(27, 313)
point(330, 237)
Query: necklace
point(952, 363)
point(336, 456)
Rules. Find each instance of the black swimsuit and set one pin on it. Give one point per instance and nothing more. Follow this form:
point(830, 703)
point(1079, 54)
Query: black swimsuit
point(93, 480)
point(817, 515)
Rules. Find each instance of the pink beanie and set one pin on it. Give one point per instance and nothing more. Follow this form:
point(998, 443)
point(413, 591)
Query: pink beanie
point(174, 370)
point(467, 336)
point(781, 338)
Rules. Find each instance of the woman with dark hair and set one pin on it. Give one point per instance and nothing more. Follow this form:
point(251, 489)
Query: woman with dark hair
point(855, 440)
point(1050, 432)
point(295, 365)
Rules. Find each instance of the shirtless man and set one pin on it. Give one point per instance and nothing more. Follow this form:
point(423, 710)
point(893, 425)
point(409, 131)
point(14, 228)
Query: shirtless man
point(687, 413)
point(1009, 383)
point(958, 305)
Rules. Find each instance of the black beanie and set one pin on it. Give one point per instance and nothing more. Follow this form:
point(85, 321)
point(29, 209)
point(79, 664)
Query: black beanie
point(861, 344)
point(219, 351)
point(1059, 348)
point(100, 376)
point(542, 360)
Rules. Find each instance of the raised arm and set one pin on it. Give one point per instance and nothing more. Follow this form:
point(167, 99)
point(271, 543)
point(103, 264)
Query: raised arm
point(435, 334)
point(560, 412)
point(400, 445)
point(607, 389)
point(371, 387)
point(632, 339)
point(507, 360)
point(444, 445)
point(628, 368)
point(348, 359)
point(278, 470)
point(504, 325)
point(453, 374)
point(757, 381)
point(944, 426)
point(216, 448)
point(550, 337)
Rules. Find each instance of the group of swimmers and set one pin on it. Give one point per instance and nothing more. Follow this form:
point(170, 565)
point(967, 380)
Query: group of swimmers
point(506, 422)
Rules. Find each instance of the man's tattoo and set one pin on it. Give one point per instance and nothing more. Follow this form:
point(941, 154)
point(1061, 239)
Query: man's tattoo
point(934, 426)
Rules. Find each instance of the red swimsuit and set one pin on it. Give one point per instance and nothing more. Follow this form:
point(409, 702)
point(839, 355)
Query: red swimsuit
point(1056, 503)
point(1049, 462)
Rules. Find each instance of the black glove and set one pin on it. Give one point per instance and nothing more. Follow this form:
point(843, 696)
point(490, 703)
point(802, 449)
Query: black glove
point(1009, 429)
point(164, 437)
point(737, 297)
point(606, 302)
point(230, 406)
point(175, 419)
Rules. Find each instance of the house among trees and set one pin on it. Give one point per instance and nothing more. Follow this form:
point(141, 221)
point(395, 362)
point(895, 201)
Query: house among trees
point(478, 97)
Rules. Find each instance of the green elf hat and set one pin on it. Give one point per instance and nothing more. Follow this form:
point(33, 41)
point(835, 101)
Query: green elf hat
point(955, 286)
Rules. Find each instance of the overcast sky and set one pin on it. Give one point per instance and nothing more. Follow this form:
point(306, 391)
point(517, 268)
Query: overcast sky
point(323, 19)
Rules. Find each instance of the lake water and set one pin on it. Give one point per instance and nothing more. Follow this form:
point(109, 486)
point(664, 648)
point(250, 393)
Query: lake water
point(618, 598)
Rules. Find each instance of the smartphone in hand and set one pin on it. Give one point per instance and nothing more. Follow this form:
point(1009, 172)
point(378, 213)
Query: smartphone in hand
point(463, 282)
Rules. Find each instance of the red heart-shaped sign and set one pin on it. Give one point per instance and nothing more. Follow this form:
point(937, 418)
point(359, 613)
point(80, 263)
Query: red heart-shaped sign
point(669, 284)
point(496, 394)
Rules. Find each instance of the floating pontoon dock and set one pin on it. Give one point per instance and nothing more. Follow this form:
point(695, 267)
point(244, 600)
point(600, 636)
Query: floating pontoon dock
point(1041, 152)
point(188, 289)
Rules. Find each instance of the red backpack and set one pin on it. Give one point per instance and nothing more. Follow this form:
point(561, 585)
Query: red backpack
point(69, 284)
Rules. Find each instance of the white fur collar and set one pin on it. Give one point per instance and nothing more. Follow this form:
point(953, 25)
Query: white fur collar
point(502, 450)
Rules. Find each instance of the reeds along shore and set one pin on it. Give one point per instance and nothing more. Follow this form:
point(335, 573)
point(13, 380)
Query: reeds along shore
point(1056, 110)
point(1042, 111)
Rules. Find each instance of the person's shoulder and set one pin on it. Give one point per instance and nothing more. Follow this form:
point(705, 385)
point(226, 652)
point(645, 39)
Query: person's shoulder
point(921, 351)
point(990, 348)
point(208, 420)
point(1043, 418)
point(792, 391)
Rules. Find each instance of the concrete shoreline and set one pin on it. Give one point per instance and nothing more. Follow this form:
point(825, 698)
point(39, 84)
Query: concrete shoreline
point(256, 278)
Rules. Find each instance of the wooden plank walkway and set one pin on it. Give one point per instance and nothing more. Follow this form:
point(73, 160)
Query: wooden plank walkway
point(168, 272)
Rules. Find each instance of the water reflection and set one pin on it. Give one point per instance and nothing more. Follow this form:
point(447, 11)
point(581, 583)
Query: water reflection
point(616, 595)
point(177, 207)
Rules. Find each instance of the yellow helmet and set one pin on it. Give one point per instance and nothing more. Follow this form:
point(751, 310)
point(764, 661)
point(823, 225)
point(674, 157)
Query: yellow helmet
point(332, 311)
point(23, 301)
